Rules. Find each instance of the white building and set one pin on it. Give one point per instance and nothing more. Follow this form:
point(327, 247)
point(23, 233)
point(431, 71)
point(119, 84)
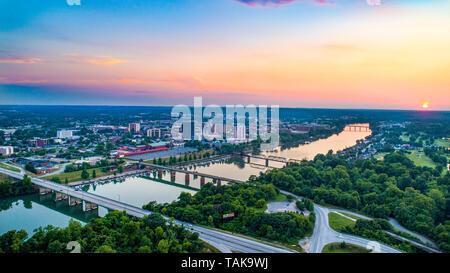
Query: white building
point(64, 134)
point(6, 150)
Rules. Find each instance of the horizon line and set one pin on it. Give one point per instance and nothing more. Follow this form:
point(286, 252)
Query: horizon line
point(281, 107)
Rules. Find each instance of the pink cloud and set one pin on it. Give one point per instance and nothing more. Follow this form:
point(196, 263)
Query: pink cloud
point(283, 2)
point(4, 80)
point(110, 61)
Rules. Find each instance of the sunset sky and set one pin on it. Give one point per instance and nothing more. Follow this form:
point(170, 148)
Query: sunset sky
point(294, 53)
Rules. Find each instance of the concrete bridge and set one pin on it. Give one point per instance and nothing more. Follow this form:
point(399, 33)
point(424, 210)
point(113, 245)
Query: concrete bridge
point(174, 170)
point(73, 196)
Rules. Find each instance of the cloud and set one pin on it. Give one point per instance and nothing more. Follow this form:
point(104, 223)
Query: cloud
point(185, 83)
point(13, 60)
point(265, 2)
point(324, 3)
point(285, 2)
point(73, 2)
point(110, 61)
point(4, 80)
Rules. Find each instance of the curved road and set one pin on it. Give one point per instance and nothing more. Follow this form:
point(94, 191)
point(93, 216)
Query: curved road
point(323, 234)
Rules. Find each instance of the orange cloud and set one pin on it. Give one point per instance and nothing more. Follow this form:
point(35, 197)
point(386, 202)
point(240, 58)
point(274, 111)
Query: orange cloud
point(185, 83)
point(20, 60)
point(110, 61)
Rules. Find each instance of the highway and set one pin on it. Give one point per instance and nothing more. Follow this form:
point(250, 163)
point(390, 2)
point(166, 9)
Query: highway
point(223, 241)
point(323, 234)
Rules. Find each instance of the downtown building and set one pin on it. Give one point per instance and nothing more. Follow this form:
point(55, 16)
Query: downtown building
point(134, 127)
point(6, 150)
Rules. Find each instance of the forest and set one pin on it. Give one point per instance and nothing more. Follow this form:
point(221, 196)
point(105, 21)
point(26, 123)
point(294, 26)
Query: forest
point(247, 203)
point(114, 233)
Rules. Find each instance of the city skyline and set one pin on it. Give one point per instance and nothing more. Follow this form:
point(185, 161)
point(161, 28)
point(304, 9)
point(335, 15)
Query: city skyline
point(305, 54)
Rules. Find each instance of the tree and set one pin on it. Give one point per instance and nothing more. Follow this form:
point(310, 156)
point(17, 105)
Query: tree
point(163, 246)
point(29, 167)
point(84, 175)
point(105, 249)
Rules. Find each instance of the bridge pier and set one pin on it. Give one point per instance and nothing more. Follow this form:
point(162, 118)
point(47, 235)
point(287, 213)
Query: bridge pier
point(73, 201)
point(202, 181)
point(267, 162)
point(43, 191)
point(219, 183)
point(172, 176)
point(186, 178)
point(248, 159)
point(60, 196)
point(160, 174)
point(89, 206)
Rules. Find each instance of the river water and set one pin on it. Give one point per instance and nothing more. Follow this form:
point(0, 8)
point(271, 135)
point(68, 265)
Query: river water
point(30, 212)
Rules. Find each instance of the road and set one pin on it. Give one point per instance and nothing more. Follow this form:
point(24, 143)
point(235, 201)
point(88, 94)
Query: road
point(222, 240)
point(60, 170)
point(323, 234)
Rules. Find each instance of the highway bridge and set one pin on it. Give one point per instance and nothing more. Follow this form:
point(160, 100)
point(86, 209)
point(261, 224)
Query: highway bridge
point(222, 240)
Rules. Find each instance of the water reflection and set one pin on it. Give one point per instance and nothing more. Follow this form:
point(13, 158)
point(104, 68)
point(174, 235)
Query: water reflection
point(337, 142)
point(32, 211)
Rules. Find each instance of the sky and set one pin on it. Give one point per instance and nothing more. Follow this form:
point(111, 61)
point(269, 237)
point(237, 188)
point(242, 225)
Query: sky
point(377, 54)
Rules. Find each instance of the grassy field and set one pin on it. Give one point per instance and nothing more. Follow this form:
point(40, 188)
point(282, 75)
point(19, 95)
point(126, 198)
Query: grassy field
point(420, 159)
point(344, 248)
point(351, 216)
point(338, 222)
point(76, 176)
point(380, 156)
point(404, 137)
point(9, 167)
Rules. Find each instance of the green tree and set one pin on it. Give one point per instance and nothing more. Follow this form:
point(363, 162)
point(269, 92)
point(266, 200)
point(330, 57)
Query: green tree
point(84, 175)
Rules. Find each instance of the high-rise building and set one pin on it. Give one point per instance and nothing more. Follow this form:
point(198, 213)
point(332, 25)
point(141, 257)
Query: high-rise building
point(155, 132)
point(6, 150)
point(38, 142)
point(64, 134)
point(134, 127)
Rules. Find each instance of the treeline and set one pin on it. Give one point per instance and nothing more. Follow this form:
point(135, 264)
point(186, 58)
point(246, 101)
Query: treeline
point(86, 166)
point(116, 232)
point(10, 189)
point(437, 155)
point(211, 206)
point(418, 197)
point(186, 158)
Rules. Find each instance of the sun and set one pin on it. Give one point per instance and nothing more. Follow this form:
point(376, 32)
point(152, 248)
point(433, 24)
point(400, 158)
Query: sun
point(425, 104)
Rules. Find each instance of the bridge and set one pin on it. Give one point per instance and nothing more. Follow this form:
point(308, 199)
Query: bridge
point(174, 170)
point(223, 241)
point(357, 128)
point(269, 158)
